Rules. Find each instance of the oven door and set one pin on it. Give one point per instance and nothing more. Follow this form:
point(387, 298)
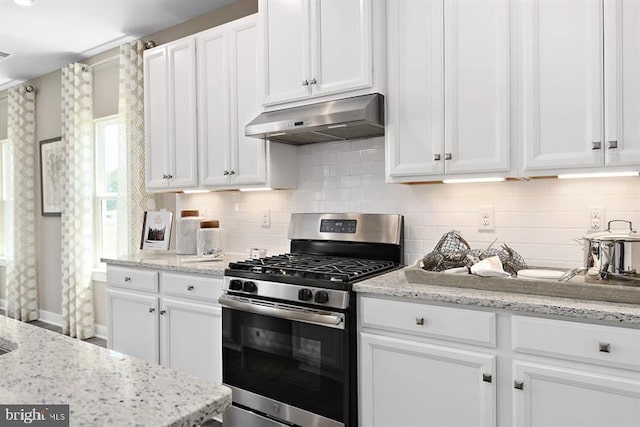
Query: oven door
point(285, 361)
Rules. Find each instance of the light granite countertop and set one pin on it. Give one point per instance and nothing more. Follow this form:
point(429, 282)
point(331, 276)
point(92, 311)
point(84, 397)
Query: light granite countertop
point(101, 387)
point(180, 263)
point(395, 284)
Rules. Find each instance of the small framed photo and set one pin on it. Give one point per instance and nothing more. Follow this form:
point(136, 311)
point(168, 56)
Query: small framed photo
point(51, 164)
point(156, 230)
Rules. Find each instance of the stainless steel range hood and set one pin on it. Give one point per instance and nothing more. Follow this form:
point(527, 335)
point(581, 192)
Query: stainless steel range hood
point(342, 119)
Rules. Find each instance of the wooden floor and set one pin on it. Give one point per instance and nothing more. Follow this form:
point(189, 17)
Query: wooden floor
point(97, 341)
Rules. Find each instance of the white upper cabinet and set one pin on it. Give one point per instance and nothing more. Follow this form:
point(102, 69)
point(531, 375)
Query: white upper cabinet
point(580, 87)
point(449, 89)
point(228, 82)
point(170, 116)
point(622, 84)
point(315, 47)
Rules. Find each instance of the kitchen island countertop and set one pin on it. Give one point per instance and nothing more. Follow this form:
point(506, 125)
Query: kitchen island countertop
point(101, 387)
point(395, 284)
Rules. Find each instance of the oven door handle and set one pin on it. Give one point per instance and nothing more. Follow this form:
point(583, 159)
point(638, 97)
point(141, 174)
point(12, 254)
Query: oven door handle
point(269, 309)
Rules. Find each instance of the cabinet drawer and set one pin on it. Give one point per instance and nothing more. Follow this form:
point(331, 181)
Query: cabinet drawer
point(604, 345)
point(185, 285)
point(132, 278)
point(453, 324)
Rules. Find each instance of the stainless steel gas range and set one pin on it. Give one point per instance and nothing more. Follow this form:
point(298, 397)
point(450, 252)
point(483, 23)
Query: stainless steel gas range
point(289, 321)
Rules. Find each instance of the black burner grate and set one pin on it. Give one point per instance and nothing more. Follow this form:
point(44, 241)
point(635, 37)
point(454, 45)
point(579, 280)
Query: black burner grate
point(318, 267)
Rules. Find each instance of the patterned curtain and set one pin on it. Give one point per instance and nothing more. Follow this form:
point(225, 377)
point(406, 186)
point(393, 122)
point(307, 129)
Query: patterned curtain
point(22, 278)
point(77, 202)
point(133, 198)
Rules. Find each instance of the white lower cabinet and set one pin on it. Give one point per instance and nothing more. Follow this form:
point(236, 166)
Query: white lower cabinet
point(456, 366)
point(167, 318)
point(408, 379)
point(407, 383)
point(551, 396)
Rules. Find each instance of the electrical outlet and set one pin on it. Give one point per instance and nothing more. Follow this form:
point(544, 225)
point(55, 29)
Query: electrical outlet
point(596, 218)
point(486, 219)
point(266, 218)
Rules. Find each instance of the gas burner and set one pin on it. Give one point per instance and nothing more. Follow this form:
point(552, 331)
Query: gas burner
point(316, 267)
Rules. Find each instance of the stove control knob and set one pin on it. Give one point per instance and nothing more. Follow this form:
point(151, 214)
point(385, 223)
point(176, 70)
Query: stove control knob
point(305, 294)
point(235, 285)
point(322, 297)
point(249, 287)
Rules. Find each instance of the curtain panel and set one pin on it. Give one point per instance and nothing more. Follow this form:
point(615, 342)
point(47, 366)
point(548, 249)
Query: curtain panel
point(133, 198)
point(77, 202)
point(22, 276)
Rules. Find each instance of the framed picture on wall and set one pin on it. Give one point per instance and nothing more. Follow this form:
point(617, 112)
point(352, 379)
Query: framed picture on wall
point(51, 164)
point(156, 230)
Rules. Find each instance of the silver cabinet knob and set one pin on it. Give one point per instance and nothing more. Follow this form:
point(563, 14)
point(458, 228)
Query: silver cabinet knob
point(226, 172)
point(232, 172)
point(305, 82)
point(190, 287)
point(604, 347)
point(151, 309)
point(436, 157)
point(313, 81)
point(419, 320)
point(447, 156)
point(596, 145)
point(487, 378)
point(163, 312)
point(127, 279)
point(612, 145)
point(517, 384)
point(169, 176)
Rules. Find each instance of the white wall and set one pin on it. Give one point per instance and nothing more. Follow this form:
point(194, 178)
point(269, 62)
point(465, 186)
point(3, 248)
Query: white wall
point(538, 218)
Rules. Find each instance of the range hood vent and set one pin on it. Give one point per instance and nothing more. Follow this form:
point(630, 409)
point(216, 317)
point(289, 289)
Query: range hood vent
point(349, 118)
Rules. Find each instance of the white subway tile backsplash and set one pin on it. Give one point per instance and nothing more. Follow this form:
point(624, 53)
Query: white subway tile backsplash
point(539, 218)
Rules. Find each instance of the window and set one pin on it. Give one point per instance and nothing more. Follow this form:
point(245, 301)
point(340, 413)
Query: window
point(107, 141)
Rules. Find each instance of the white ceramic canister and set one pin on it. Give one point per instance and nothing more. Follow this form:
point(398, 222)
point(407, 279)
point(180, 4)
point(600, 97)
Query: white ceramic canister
point(187, 235)
point(210, 238)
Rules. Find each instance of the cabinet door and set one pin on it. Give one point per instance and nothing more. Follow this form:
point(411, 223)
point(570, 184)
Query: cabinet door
point(156, 121)
point(133, 327)
point(247, 154)
point(561, 79)
point(587, 399)
point(214, 128)
point(183, 152)
point(404, 383)
point(414, 105)
point(341, 49)
point(286, 49)
point(622, 85)
point(191, 338)
point(476, 86)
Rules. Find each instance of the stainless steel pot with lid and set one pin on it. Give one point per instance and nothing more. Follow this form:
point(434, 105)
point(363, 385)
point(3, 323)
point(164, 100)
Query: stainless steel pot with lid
point(614, 253)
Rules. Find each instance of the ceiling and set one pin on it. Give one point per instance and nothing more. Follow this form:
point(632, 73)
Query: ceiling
point(52, 33)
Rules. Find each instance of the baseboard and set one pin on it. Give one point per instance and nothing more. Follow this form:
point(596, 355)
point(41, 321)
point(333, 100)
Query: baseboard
point(3, 304)
point(56, 319)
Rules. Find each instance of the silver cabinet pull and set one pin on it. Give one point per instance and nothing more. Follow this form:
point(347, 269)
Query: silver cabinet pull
point(447, 156)
point(165, 176)
point(232, 172)
point(163, 312)
point(313, 81)
point(226, 172)
point(604, 347)
point(596, 145)
point(127, 279)
point(613, 145)
point(436, 157)
point(487, 378)
point(151, 309)
point(305, 82)
point(518, 384)
point(419, 320)
point(190, 287)
point(169, 176)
